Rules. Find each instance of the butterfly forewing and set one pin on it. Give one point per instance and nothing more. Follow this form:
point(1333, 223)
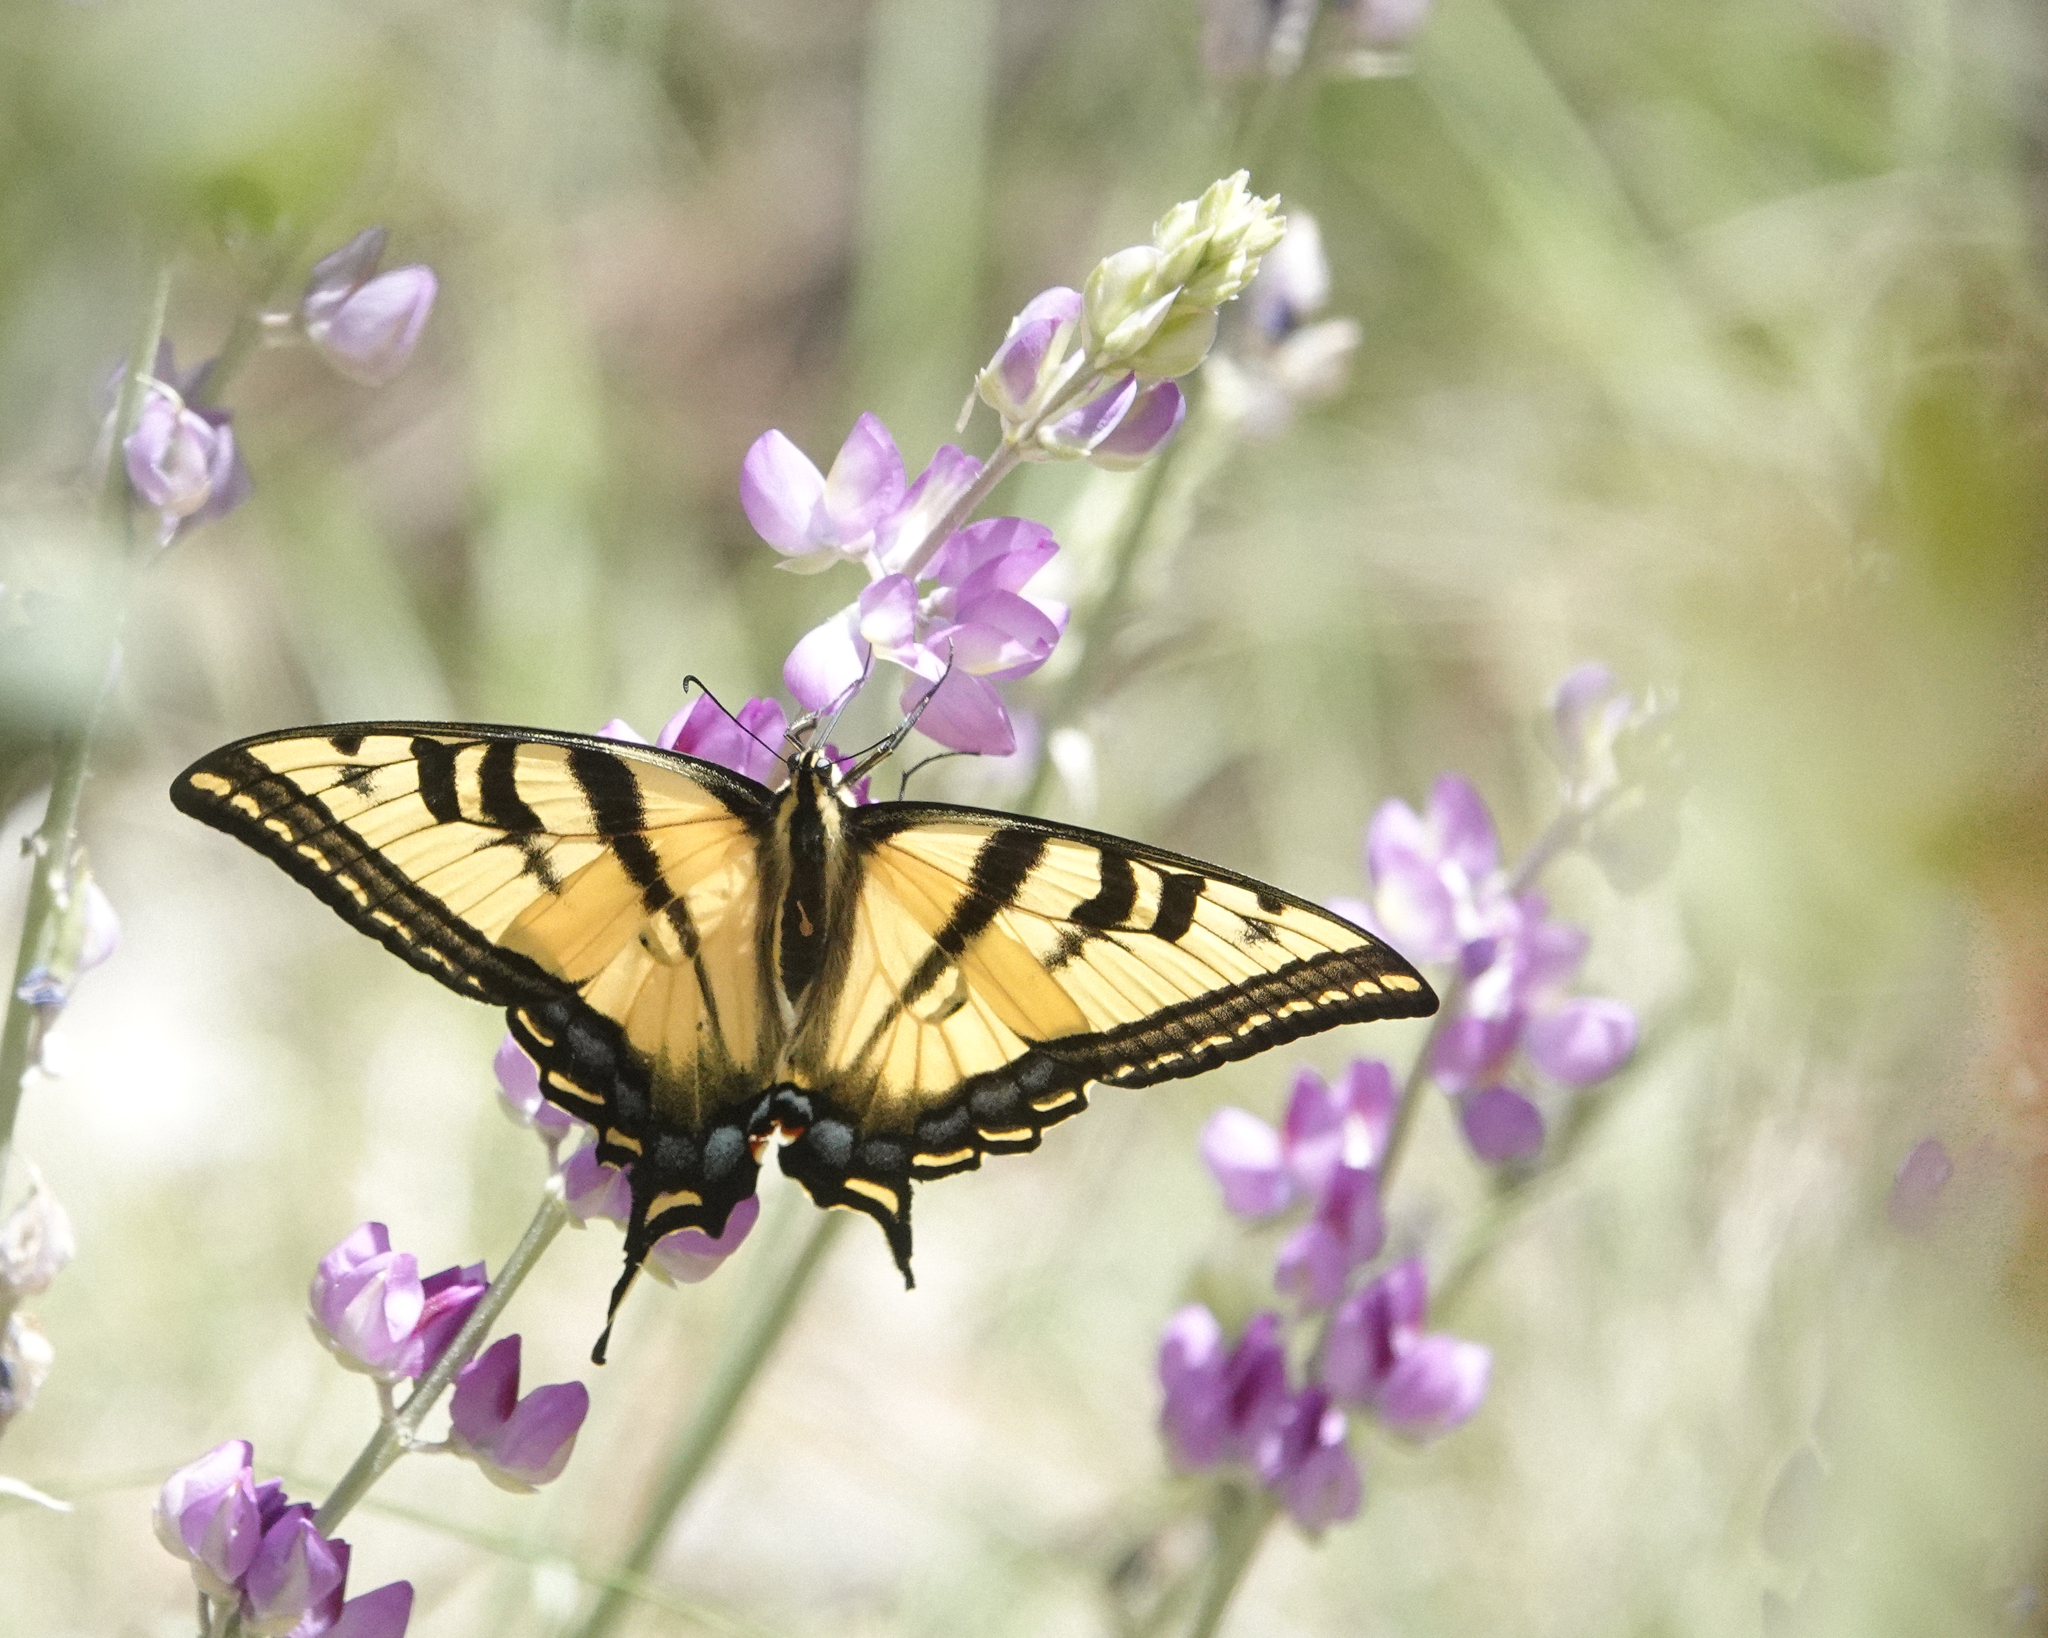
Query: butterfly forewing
point(605, 894)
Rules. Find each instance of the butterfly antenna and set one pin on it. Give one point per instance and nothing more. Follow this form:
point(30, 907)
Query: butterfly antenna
point(839, 705)
point(699, 684)
point(887, 747)
point(903, 784)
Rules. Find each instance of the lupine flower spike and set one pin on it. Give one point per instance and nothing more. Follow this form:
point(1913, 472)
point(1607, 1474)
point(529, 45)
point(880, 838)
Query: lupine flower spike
point(260, 1556)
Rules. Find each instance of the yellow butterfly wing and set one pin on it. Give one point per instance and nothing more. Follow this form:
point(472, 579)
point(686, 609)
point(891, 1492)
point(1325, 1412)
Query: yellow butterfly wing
point(607, 895)
point(989, 967)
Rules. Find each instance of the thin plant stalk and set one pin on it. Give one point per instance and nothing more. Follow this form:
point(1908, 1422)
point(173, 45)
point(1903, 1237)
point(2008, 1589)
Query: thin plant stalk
point(399, 1433)
point(747, 1349)
point(1241, 1520)
point(56, 841)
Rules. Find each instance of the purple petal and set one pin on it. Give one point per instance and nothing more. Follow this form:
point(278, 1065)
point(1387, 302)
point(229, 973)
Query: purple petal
point(1017, 363)
point(371, 335)
point(1002, 635)
point(1351, 1208)
point(486, 1389)
point(1397, 828)
point(828, 661)
point(590, 1188)
point(906, 533)
point(1154, 416)
point(888, 616)
point(191, 1496)
point(1500, 1124)
point(1195, 1415)
point(1548, 952)
point(1472, 1050)
point(689, 1255)
point(1574, 708)
point(451, 1295)
point(537, 1439)
point(783, 493)
point(1369, 1097)
point(1583, 1041)
point(1916, 1190)
point(866, 481)
point(379, 1614)
point(293, 1570)
point(1434, 1386)
point(1313, 1132)
point(1307, 1463)
point(222, 1536)
point(1372, 1329)
point(519, 1081)
point(339, 272)
point(1312, 1265)
point(1255, 1385)
point(965, 714)
point(996, 554)
point(747, 743)
point(622, 730)
point(1243, 1153)
point(1412, 901)
point(1463, 827)
point(1082, 429)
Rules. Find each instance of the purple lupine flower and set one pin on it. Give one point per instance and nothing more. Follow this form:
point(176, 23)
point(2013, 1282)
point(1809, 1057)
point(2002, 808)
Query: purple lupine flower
point(179, 460)
point(1500, 1124)
point(1436, 877)
point(1916, 1188)
point(1305, 1460)
point(295, 1572)
point(747, 742)
point(976, 626)
point(1347, 1229)
point(816, 519)
point(1220, 1403)
point(1263, 1171)
point(1027, 366)
point(1278, 362)
point(1153, 415)
point(519, 1082)
point(590, 1188)
point(365, 323)
point(381, 1613)
point(520, 1444)
point(1376, 1353)
point(374, 1313)
point(207, 1515)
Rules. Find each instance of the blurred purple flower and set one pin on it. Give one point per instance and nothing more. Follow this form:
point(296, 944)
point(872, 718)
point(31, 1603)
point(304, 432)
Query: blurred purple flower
point(1220, 1402)
point(519, 1082)
point(207, 1515)
point(1377, 1354)
point(382, 1613)
point(36, 1242)
point(180, 461)
point(1305, 1460)
point(748, 742)
point(1916, 1188)
point(363, 322)
point(1437, 885)
point(519, 1443)
point(295, 1572)
point(375, 1314)
point(1347, 1229)
point(1500, 1124)
point(1263, 1171)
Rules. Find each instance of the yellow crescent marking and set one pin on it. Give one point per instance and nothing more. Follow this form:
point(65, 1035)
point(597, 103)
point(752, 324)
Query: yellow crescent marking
point(1393, 981)
point(1014, 1135)
point(883, 1197)
point(246, 804)
point(950, 1159)
point(1254, 1022)
point(534, 1030)
point(666, 1202)
point(1058, 1100)
point(559, 1084)
point(212, 784)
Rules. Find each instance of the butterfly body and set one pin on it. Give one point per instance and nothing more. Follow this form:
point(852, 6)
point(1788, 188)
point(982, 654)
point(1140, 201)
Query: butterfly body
point(702, 967)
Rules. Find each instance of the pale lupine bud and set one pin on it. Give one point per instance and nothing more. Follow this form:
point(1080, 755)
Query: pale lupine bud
point(519, 1079)
point(207, 1514)
point(1277, 361)
point(519, 1443)
point(1014, 383)
point(1623, 768)
point(364, 323)
point(35, 1243)
point(177, 459)
point(374, 1313)
point(295, 1570)
point(25, 1360)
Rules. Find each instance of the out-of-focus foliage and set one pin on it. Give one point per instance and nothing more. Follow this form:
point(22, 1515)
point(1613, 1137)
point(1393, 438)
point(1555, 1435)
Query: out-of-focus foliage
point(1709, 341)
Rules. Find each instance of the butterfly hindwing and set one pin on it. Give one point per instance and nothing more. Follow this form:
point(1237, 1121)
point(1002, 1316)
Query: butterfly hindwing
point(607, 895)
point(993, 966)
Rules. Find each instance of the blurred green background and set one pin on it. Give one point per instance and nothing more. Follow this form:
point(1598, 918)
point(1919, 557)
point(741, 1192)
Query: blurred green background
point(1707, 341)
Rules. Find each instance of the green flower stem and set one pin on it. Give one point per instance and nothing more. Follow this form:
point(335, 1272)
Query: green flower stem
point(746, 1351)
point(1240, 1521)
point(395, 1436)
point(56, 842)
